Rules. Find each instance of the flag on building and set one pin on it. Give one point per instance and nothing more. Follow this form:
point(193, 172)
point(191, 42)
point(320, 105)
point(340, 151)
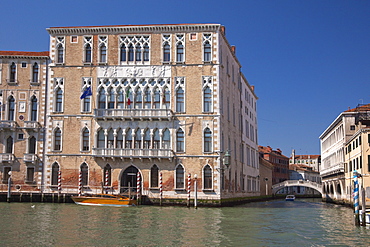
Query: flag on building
point(128, 97)
point(87, 92)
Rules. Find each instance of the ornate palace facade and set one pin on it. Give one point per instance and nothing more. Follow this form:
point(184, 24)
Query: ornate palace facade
point(156, 102)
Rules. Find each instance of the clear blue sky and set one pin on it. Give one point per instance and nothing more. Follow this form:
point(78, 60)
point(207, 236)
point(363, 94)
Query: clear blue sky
point(308, 60)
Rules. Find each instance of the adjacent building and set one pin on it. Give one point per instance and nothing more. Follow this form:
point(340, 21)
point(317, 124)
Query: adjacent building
point(279, 161)
point(345, 151)
point(23, 81)
point(313, 161)
point(147, 109)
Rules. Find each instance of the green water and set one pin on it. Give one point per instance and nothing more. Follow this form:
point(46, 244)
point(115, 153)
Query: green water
point(306, 222)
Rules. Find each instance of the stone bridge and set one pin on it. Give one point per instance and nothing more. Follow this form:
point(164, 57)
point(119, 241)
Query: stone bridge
point(289, 183)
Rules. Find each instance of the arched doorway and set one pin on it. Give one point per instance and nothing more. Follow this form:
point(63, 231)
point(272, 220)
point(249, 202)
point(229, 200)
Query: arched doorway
point(128, 180)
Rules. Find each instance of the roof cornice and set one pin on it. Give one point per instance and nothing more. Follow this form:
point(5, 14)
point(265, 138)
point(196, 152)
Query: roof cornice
point(128, 29)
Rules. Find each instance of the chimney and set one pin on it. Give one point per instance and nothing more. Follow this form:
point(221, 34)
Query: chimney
point(223, 30)
point(233, 49)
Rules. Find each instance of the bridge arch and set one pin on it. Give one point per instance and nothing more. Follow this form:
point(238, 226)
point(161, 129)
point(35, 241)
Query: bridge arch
point(290, 183)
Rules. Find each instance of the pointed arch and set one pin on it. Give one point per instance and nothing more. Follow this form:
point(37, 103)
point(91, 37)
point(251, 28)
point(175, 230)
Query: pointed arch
point(100, 138)
point(34, 105)
point(85, 139)
point(180, 144)
point(207, 177)
point(54, 174)
point(11, 108)
point(154, 176)
point(57, 139)
point(32, 145)
point(207, 140)
point(156, 139)
point(166, 139)
point(35, 73)
point(179, 177)
point(84, 169)
point(128, 138)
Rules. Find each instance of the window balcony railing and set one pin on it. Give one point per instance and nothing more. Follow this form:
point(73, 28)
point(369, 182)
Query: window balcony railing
point(7, 157)
point(30, 158)
point(133, 153)
point(142, 114)
point(33, 125)
point(8, 125)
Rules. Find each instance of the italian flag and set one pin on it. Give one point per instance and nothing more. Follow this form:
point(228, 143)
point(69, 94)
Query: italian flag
point(128, 97)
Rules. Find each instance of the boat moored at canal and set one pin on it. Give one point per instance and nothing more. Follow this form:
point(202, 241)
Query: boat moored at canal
point(104, 200)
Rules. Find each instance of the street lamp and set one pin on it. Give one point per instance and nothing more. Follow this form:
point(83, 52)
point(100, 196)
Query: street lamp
point(226, 163)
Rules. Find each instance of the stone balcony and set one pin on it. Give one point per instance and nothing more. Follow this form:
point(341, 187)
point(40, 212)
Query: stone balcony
point(32, 125)
point(6, 157)
point(31, 158)
point(8, 125)
point(114, 153)
point(133, 114)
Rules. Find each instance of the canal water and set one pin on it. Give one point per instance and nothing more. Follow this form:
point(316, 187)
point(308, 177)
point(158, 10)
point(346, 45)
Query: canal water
point(304, 222)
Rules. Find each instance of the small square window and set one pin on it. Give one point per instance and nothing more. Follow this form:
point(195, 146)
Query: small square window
point(193, 36)
point(20, 136)
point(24, 65)
point(74, 39)
point(352, 127)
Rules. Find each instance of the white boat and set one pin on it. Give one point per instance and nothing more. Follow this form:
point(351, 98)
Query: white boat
point(290, 198)
point(367, 216)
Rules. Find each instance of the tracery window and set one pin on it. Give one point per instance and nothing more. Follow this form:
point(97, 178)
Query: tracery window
point(134, 49)
point(180, 94)
point(180, 42)
point(207, 48)
point(60, 50)
point(166, 41)
point(103, 43)
point(58, 94)
point(207, 94)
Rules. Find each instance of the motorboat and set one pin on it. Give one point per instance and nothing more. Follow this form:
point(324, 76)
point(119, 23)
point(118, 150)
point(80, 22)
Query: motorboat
point(290, 198)
point(367, 216)
point(104, 200)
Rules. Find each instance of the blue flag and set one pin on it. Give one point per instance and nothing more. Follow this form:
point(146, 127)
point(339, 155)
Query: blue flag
point(87, 92)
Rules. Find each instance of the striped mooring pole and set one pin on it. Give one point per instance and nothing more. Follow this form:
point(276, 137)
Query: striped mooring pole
point(356, 198)
point(106, 182)
point(138, 191)
point(160, 189)
point(59, 182)
point(189, 182)
point(80, 184)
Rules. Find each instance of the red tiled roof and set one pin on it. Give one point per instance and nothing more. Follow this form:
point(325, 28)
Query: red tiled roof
point(306, 156)
point(360, 108)
point(25, 53)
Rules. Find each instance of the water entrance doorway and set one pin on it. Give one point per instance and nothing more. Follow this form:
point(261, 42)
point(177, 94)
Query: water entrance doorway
point(128, 180)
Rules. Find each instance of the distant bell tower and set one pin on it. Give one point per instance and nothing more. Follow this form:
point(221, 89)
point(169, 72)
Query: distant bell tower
point(293, 156)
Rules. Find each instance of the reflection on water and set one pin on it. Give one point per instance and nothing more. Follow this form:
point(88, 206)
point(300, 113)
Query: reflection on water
point(306, 222)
